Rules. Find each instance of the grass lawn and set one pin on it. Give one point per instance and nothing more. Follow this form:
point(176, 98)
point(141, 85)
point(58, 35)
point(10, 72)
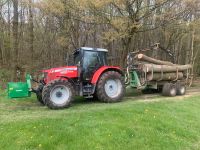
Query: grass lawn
point(164, 123)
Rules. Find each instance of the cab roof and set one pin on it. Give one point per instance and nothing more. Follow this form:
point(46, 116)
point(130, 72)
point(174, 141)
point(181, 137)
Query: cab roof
point(94, 49)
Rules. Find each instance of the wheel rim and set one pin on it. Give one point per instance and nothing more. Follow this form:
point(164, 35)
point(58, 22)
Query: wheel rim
point(182, 90)
point(173, 91)
point(113, 88)
point(60, 94)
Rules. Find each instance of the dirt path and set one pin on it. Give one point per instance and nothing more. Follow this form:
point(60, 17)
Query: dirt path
point(192, 91)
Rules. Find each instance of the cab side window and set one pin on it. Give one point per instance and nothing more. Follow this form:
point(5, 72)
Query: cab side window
point(90, 60)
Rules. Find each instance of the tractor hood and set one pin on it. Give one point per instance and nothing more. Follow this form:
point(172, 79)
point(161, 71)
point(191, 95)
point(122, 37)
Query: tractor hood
point(56, 73)
point(61, 70)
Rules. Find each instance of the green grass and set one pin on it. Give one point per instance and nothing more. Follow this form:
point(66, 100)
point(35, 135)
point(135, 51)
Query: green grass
point(159, 123)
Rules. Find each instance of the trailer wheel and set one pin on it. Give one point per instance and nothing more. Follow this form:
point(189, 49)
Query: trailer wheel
point(58, 94)
point(110, 87)
point(169, 89)
point(180, 89)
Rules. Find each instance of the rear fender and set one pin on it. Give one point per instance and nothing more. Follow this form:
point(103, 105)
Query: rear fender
point(102, 70)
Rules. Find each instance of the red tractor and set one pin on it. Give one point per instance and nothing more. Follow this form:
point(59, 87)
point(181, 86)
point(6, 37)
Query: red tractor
point(90, 76)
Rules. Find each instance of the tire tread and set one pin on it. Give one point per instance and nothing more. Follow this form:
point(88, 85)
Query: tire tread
point(47, 90)
point(102, 96)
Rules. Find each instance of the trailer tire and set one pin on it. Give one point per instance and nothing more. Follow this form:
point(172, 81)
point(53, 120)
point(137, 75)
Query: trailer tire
point(169, 89)
point(110, 87)
point(58, 94)
point(180, 89)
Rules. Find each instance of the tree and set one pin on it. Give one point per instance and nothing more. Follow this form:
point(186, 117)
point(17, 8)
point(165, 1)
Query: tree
point(15, 55)
point(31, 32)
point(128, 19)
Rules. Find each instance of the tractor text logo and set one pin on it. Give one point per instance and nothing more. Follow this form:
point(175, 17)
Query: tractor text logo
point(68, 70)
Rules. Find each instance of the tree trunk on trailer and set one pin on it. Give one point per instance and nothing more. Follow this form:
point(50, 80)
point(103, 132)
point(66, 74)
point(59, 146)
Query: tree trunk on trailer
point(165, 68)
point(165, 77)
point(143, 57)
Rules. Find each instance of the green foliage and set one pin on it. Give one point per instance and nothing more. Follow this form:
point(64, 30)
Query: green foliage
point(59, 26)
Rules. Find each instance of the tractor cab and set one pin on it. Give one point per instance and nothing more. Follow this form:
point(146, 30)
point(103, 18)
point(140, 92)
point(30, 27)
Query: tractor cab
point(89, 60)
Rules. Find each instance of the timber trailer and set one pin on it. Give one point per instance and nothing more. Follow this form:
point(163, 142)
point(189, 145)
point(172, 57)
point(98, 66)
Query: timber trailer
point(151, 75)
point(91, 76)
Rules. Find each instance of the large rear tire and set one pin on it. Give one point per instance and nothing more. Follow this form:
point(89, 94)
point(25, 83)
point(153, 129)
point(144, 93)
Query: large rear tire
point(169, 89)
point(58, 94)
point(110, 87)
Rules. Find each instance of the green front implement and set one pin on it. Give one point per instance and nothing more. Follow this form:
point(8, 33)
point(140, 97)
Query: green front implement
point(20, 89)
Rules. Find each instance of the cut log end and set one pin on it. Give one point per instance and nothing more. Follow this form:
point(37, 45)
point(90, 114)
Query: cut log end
point(140, 56)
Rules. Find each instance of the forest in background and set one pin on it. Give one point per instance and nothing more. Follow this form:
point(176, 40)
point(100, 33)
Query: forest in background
point(38, 34)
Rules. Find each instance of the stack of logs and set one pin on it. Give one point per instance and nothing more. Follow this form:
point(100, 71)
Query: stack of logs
point(161, 70)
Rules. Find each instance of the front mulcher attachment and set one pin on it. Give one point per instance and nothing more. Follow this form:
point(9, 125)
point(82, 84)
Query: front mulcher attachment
point(20, 89)
point(24, 89)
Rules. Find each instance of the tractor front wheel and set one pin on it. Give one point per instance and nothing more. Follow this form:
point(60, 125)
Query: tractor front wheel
point(58, 94)
point(39, 94)
point(110, 87)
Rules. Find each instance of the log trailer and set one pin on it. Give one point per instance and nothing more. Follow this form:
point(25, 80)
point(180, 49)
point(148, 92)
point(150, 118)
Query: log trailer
point(152, 75)
point(92, 77)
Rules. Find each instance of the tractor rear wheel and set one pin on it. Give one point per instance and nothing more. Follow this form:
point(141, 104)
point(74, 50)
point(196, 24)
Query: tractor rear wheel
point(110, 87)
point(180, 88)
point(169, 89)
point(58, 94)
